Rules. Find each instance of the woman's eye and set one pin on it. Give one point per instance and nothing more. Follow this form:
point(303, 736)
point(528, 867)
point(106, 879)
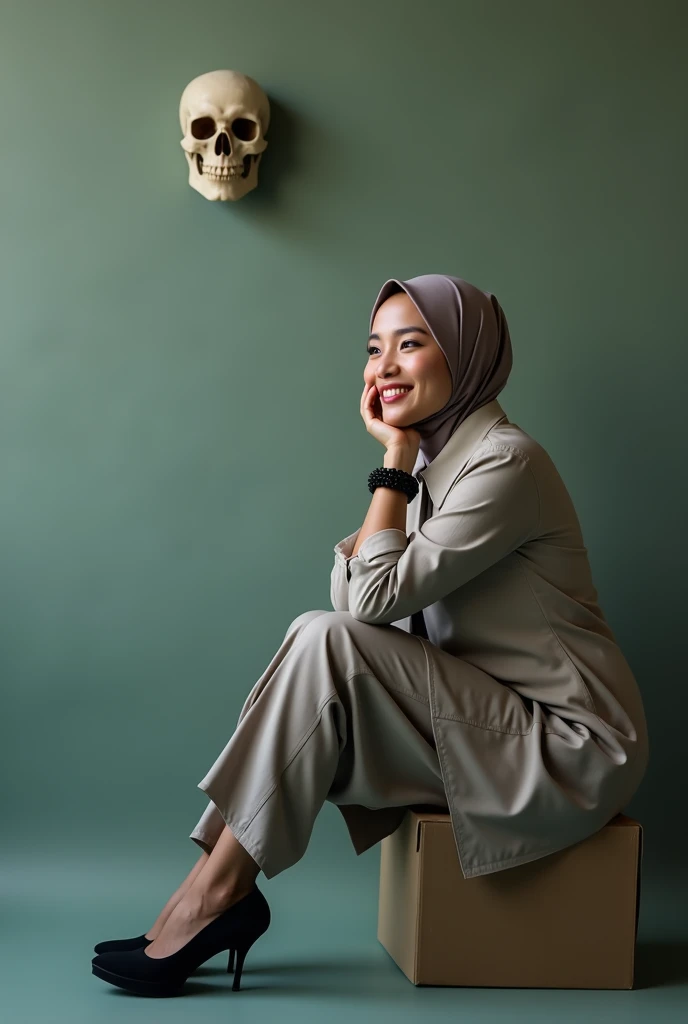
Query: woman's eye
point(409, 341)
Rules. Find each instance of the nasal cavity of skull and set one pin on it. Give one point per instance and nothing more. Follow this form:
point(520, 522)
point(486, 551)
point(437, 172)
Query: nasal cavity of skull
point(222, 145)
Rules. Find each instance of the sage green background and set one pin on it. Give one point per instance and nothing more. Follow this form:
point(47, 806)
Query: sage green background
point(180, 437)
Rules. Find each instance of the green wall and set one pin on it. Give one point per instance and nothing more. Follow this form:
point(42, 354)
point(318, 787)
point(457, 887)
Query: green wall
point(180, 437)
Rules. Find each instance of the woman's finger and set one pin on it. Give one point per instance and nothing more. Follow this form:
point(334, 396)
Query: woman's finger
point(370, 402)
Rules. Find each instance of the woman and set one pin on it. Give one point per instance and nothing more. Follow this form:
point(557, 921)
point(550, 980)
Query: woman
point(467, 664)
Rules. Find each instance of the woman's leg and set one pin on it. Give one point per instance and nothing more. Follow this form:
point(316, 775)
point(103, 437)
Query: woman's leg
point(340, 713)
point(174, 899)
point(224, 877)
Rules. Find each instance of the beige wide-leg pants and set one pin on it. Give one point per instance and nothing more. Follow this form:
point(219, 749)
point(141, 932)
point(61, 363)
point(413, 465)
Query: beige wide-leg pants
point(342, 714)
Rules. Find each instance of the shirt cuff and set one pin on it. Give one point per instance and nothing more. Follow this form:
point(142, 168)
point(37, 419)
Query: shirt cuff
point(383, 544)
point(343, 549)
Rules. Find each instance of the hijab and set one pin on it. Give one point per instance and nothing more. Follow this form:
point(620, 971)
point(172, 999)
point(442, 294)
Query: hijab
point(470, 327)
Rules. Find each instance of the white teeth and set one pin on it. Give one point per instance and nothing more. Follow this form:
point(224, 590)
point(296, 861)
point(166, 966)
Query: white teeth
point(221, 174)
point(395, 391)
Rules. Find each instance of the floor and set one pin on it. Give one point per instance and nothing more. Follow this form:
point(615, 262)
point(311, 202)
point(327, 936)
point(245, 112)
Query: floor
point(320, 960)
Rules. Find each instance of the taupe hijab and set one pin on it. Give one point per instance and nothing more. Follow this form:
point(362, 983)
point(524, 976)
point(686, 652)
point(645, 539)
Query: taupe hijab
point(470, 327)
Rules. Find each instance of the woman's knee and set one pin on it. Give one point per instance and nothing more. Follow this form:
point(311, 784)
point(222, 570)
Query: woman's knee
point(305, 618)
point(322, 621)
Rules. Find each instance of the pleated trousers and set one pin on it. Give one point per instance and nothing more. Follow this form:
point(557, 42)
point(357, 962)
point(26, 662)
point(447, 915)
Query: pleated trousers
point(342, 714)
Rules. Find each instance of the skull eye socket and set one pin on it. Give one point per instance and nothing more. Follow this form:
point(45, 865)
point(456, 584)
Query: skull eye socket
point(245, 129)
point(203, 128)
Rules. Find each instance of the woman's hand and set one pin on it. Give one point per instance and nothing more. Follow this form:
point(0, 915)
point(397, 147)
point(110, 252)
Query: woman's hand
point(402, 438)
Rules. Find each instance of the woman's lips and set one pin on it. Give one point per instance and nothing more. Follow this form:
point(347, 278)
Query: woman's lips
point(395, 398)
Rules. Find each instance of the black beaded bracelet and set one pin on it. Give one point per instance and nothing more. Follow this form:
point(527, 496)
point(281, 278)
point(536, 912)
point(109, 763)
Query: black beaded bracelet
point(396, 478)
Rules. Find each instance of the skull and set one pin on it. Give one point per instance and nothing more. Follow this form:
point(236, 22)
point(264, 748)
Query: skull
point(224, 116)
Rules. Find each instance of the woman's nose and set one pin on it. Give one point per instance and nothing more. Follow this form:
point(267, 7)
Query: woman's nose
point(387, 369)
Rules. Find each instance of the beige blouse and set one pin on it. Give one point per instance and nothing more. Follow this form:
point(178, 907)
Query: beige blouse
point(502, 575)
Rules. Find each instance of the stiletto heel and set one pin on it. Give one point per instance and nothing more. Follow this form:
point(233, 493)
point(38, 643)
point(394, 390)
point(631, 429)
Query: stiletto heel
point(235, 929)
point(241, 956)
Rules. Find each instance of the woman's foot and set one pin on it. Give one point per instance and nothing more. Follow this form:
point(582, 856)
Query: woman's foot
point(228, 875)
point(194, 911)
point(236, 929)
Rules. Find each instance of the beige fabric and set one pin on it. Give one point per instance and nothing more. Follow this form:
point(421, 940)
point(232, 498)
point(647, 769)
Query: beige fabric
point(538, 720)
point(341, 713)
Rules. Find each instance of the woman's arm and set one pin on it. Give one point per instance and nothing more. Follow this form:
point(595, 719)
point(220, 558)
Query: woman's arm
point(387, 510)
point(492, 509)
point(388, 506)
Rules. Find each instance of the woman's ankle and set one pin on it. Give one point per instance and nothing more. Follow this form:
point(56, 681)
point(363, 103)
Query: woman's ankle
point(162, 917)
point(174, 899)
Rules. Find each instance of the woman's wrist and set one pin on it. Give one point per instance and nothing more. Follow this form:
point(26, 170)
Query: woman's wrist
point(399, 458)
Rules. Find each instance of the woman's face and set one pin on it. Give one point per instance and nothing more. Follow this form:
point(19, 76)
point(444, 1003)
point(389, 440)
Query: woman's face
point(402, 351)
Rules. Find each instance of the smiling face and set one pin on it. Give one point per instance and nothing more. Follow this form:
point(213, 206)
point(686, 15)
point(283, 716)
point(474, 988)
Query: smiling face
point(402, 351)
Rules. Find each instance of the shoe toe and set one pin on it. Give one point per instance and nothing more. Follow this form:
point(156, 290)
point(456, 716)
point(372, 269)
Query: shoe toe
point(138, 973)
point(123, 965)
point(121, 961)
point(112, 945)
point(110, 961)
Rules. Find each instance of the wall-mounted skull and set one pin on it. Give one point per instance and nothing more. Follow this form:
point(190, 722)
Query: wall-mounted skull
point(224, 116)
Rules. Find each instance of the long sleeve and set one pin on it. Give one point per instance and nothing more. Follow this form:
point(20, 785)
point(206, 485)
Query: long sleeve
point(339, 579)
point(490, 511)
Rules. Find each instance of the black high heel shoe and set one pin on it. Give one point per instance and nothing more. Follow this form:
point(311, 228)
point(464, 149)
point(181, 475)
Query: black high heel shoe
point(140, 942)
point(236, 929)
point(122, 945)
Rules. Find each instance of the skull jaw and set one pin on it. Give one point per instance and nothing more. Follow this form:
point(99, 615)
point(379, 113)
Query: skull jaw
point(234, 188)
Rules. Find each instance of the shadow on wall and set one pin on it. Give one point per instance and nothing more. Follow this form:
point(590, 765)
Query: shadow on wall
point(290, 140)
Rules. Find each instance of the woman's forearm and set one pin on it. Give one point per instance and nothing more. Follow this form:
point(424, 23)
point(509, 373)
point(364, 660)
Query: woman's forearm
point(387, 509)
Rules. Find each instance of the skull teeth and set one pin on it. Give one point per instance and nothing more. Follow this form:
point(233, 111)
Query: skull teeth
point(222, 172)
point(215, 173)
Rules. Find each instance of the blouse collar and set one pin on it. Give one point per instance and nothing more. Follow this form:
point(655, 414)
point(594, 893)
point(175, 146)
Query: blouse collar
point(444, 469)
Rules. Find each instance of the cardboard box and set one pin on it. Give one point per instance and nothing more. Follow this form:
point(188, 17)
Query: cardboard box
point(567, 920)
